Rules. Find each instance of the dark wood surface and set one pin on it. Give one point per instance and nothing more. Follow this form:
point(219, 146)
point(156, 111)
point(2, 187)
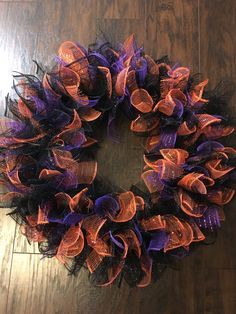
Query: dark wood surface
point(199, 34)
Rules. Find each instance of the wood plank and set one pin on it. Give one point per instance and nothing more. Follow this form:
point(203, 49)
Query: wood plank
point(116, 9)
point(64, 20)
point(22, 1)
point(18, 33)
point(125, 27)
point(7, 231)
point(218, 49)
point(218, 43)
point(205, 290)
point(172, 29)
point(44, 287)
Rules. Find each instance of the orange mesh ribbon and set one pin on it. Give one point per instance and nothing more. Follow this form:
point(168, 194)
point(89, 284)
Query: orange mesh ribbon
point(152, 181)
point(196, 182)
point(178, 79)
point(153, 223)
point(179, 235)
point(92, 225)
point(153, 67)
point(142, 125)
point(167, 170)
point(107, 73)
point(71, 244)
point(121, 82)
point(131, 81)
point(205, 120)
point(217, 170)
point(175, 155)
point(130, 241)
point(189, 206)
point(197, 92)
point(184, 129)
point(127, 207)
point(73, 56)
point(167, 105)
point(141, 100)
point(221, 197)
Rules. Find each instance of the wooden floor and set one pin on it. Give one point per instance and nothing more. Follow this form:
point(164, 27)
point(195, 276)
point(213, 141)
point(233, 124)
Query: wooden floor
point(198, 33)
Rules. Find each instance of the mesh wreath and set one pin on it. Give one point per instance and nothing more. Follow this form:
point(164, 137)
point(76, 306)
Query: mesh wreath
point(49, 169)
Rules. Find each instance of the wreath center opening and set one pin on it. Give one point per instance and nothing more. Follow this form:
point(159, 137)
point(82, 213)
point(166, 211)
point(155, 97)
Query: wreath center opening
point(120, 162)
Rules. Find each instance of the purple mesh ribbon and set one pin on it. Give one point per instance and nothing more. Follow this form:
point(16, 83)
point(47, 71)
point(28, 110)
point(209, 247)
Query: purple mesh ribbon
point(106, 204)
point(116, 242)
point(158, 241)
point(210, 219)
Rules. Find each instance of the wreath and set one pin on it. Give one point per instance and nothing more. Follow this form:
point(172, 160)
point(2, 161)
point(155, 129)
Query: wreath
point(48, 165)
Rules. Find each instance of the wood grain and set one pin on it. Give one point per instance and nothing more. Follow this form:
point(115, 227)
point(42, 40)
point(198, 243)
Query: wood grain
point(217, 55)
point(218, 45)
point(199, 34)
point(7, 233)
point(43, 286)
point(18, 33)
point(172, 29)
point(115, 9)
point(204, 290)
